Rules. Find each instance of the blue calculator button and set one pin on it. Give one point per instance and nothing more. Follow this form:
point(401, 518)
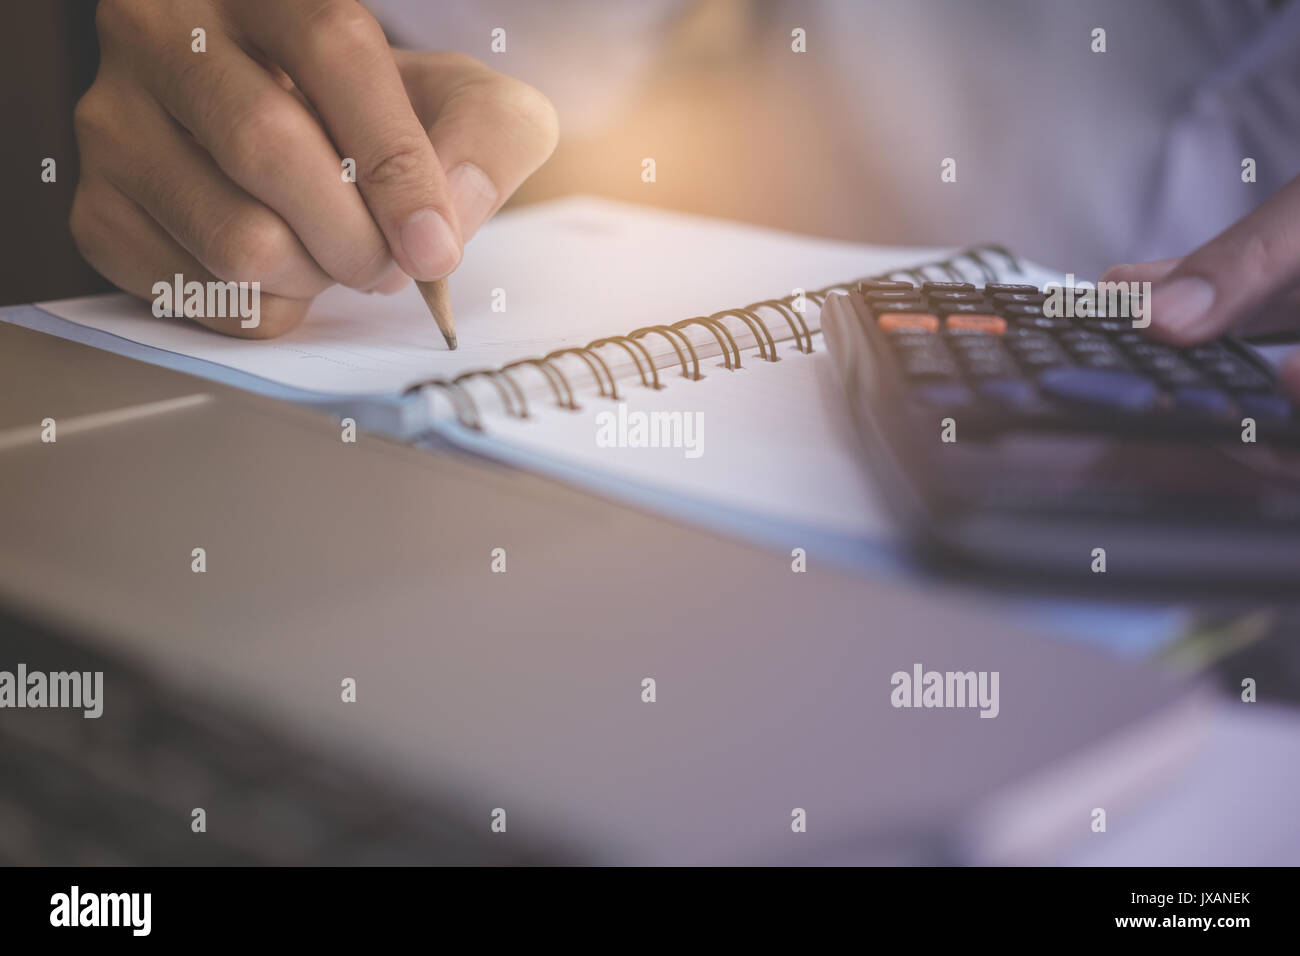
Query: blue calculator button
point(1105, 388)
point(943, 394)
point(1010, 391)
point(1271, 408)
point(1203, 401)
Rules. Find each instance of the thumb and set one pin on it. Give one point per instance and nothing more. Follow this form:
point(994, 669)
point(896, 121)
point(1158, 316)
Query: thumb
point(1232, 275)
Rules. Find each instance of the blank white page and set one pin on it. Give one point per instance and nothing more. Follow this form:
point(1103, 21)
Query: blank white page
point(567, 272)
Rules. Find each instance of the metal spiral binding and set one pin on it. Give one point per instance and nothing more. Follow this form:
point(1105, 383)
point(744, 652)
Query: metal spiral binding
point(461, 400)
point(512, 395)
point(551, 374)
point(671, 334)
point(785, 308)
point(754, 323)
point(720, 332)
point(508, 396)
point(593, 360)
point(626, 343)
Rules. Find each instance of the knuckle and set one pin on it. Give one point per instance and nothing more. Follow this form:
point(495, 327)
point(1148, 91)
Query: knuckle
point(91, 115)
point(256, 136)
point(250, 246)
point(524, 111)
point(537, 116)
point(400, 161)
point(342, 28)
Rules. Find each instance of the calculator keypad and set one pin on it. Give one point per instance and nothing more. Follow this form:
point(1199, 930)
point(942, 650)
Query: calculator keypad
point(958, 346)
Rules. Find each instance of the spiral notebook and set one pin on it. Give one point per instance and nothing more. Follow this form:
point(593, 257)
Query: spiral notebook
point(671, 359)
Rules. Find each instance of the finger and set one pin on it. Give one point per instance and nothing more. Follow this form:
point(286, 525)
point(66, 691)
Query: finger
point(133, 252)
point(490, 131)
point(268, 143)
point(230, 233)
point(1140, 271)
point(1234, 274)
point(336, 53)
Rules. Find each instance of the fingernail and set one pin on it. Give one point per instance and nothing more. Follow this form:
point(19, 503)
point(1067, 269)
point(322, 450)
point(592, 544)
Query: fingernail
point(1182, 303)
point(431, 245)
point(393, 280)
point(472, 196)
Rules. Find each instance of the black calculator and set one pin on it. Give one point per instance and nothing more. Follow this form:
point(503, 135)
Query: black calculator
point(1007, 435)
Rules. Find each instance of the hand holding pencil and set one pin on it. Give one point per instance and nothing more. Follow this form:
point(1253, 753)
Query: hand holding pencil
point(260, 131)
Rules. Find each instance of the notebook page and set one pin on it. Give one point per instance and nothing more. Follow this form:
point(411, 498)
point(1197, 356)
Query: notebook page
point(770, 438)
point(566, 272)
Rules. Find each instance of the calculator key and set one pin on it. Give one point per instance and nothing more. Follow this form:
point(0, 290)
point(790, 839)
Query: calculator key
point(970, 356)
point(917, 308)
point(983, 355)
point(1148, 352)
point(1040, 322)
point(1010, 391)
point(928, 287)
point(1041, 359)
point(1176, 377)
point(893, 295)
point(924, 366)
point(990, 368)
point(1103, 360)
point(944, 394)
point(1079, 336)
point(1161, 363)
point(885, 285)
point(1021, 311)
point(993, 288)
point(1247, 381)
point(1208, 402)
point(908, 335)
point(910, 350)
point(917, 320)
point(1019, 298)
point(992, 324)
point(977, 297)
point(1092, 347)
point(1213, 352)
point(961, 308)
point(1230, 368)
point(1103, 388)
point(1024, 337)
point(1266, 408)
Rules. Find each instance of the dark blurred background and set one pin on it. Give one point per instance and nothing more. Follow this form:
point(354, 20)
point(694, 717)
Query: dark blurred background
point(49, 60)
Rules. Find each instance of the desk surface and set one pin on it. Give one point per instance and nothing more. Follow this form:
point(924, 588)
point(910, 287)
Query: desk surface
point(326, 559)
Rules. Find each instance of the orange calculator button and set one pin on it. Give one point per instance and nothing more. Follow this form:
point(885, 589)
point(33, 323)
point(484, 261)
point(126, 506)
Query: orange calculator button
point(908, 320)
point(991, 324)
